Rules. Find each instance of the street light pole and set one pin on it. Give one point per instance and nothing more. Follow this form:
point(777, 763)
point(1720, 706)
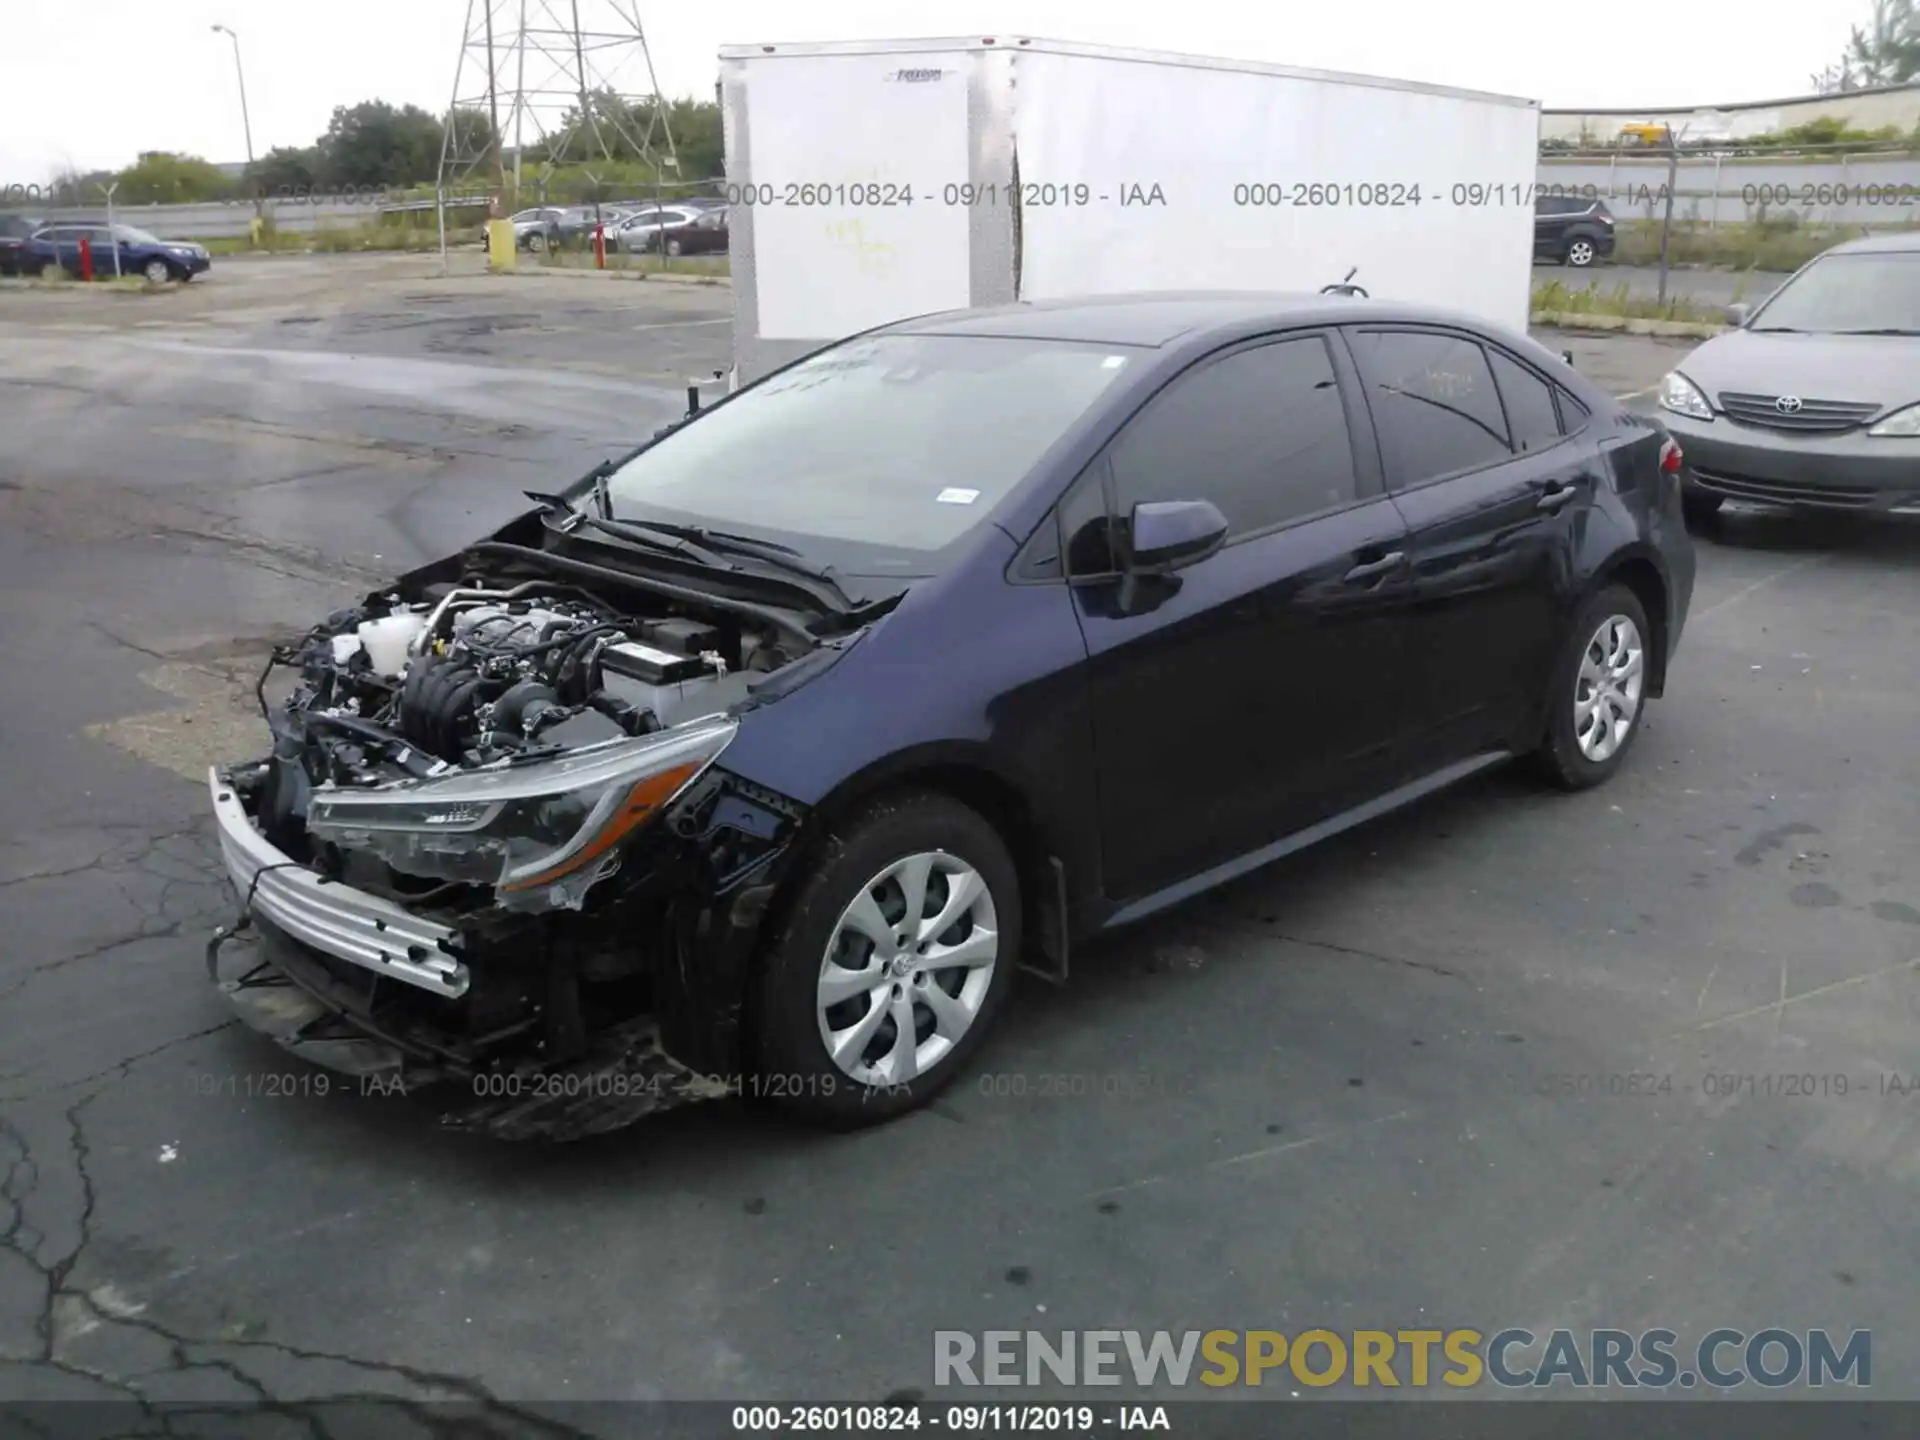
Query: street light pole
point(245, 121)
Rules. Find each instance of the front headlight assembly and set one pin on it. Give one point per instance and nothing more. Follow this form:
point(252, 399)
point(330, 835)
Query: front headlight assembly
point(1683, 397)
point(541, 833)
point(1902, 424)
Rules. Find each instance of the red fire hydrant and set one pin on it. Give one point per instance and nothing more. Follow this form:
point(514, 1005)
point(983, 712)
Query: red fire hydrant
point(86, 258)
point(599, 247)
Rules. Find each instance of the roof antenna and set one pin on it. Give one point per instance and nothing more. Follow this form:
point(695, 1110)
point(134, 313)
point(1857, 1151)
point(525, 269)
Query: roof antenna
point(1346, 286)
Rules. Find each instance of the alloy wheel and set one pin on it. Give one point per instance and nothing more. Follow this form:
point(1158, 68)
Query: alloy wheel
point(907, 968)
point(1608, 688)
point(157, 272)
point(1580, 253)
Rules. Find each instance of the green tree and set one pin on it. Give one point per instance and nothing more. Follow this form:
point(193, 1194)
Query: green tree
point(286, 170)
point(373, 143)
point(159, 177)
point(1886, 51)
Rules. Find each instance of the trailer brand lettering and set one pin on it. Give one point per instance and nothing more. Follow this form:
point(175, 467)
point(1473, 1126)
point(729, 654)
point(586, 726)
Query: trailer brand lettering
point(915, 77)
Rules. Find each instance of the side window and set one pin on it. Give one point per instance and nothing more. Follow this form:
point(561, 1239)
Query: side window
point(1262, 433)
point(1434, 403)
point(1530, 414)
point(1573, 415)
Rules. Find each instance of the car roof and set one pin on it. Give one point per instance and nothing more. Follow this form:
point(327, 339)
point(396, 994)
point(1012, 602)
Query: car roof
point(1893, 241)
point(1156, 319)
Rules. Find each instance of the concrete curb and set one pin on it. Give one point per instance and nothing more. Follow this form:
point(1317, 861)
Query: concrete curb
point(1672, 329)
point(543, 272)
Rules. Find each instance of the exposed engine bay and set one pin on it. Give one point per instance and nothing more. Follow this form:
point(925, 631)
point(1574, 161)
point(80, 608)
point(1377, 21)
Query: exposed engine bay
point(475, 676)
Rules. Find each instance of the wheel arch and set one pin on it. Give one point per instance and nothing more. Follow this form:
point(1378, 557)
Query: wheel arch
point(1641, 573)
point(963, 773)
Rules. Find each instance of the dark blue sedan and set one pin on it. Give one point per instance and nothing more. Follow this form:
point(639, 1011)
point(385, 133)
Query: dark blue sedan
point(117, 250)
point(761, 758)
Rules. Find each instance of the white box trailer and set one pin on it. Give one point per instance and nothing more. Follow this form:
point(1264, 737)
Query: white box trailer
point(877, 180)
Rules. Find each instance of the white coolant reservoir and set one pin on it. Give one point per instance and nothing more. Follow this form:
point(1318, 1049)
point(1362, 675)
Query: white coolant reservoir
point(386, 641)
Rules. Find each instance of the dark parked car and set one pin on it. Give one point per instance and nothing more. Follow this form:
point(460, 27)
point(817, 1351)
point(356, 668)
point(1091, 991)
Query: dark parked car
point(14, 230)
point(1572, 229)
point(1814, 401)
point(675, 230)
point(139, 253)
point(762, 756)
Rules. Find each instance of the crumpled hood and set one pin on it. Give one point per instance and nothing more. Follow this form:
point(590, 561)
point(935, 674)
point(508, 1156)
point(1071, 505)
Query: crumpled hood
point(1881, 369)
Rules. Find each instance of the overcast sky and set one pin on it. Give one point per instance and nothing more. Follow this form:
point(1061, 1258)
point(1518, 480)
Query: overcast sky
point(91, 84)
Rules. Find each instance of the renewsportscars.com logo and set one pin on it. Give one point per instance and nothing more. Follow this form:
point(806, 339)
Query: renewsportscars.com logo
point(914, 77)
point(1721, 1359)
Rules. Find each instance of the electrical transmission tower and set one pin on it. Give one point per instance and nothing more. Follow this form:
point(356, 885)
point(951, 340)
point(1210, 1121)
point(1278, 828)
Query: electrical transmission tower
point(546, 83)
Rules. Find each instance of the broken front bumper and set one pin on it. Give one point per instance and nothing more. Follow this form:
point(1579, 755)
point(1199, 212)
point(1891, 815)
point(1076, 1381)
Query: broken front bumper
point(336, 919)
point(305, 961)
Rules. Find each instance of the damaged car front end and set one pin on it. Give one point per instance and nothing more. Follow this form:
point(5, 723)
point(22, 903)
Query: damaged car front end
point(491, 835)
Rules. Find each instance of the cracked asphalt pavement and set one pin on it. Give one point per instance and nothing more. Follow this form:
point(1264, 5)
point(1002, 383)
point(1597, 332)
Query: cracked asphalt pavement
point(1383, 1083)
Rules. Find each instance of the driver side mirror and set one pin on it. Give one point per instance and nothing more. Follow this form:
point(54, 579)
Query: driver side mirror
point(1739, 314)
point(1168, 535)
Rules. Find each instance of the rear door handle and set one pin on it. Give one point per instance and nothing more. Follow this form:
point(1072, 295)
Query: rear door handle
point(1373, 569)
point(1556, 495)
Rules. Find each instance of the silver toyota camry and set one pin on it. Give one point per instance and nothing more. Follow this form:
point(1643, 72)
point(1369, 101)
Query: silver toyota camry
point(1813, 401)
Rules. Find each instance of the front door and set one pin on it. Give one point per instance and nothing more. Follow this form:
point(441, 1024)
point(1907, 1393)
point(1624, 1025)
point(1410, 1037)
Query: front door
point(1245, 696)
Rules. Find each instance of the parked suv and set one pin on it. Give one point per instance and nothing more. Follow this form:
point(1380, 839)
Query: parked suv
point(139, 252)
point(1572, 230)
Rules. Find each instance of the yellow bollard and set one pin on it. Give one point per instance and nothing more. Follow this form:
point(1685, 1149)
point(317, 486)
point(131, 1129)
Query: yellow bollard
point(502, 253)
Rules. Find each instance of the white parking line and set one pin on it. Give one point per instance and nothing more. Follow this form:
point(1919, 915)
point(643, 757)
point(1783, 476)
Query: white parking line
point(1636, 394)
point(1765, 580)
point(682, 324)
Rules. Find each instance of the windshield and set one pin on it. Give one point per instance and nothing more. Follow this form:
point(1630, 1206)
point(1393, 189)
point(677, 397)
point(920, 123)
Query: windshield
point(1875, 290)
point(894, 446)
point(134, 235)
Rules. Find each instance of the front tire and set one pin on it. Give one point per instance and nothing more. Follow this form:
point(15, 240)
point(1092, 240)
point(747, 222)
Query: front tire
point(1597, 695)
point(1581, 254)
point(891, 964)
point(158, 272)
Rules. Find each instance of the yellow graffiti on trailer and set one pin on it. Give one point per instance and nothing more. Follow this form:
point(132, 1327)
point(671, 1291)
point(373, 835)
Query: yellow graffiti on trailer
point(875, 257)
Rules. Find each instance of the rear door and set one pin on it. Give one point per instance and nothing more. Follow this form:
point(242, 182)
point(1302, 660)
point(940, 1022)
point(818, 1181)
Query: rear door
point(1494, 496)
point(1244, 697)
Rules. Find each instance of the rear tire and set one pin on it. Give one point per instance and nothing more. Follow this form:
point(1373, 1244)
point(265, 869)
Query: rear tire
point(1597, 695)
point(824, 973)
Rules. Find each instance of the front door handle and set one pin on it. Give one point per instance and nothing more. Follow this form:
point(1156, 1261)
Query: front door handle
point(1373, 569)
point(1556, 495)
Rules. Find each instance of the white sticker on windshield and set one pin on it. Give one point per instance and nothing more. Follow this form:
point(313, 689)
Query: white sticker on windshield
point(1113, 362)
point(952, 495)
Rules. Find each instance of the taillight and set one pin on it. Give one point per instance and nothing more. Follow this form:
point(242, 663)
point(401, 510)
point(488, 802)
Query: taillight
point(1670, 458)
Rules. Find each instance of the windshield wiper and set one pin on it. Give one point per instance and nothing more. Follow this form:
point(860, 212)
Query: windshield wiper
point(667, 544)
point(1890, 330)
point(1773, 330)
point(781, 557)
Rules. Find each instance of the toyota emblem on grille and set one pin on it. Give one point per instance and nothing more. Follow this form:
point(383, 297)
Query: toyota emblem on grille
point(1788, 404)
